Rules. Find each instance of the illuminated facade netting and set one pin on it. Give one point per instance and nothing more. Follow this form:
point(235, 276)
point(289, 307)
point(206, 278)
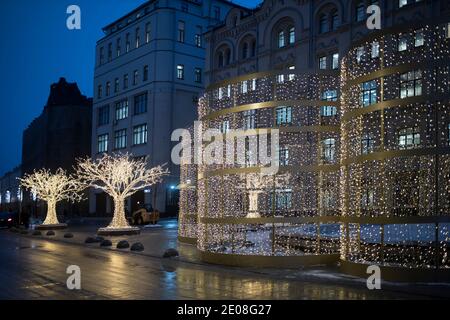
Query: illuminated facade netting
point(187, 222)
point(395, 151)
point(286, 219)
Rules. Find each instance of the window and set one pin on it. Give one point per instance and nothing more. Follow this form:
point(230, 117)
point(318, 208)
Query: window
point(360, 11)
point(135, 77)
point(103, 115)
point(448, 133)
point(216, 12)
point(125, 81)
point(118, 48)
point(322, 63)
point(225, 126)
point(419, 38)
point(411, 84)
point(180, 37)
point(121, 110)
point(283, 116)
point(375, 50)
point(335, 64)
point(102, 143)
point(323, 24)
point(281, 40)
point(334, 21)
point(367, 144)
point(108, 88)
point(368, 197)
point(249, 119)
point(140, 104)
point(102, 57)
point(291, 76)
point(253, 52)
point(283, 199)
point(291, 35)
point(109, 52)
point(409, 138)
point(147, 33)
point(329, 111)
point(284, 156)
point(198, 75)
point(402, 43)
point(198, 37)
point(360, 54)
point(447, 31)
point(402, 3)
point(245, 51)
point(116, 85)
point(220, 60)
point(248, 85)
point(140, 134)
point(369, 93)
point(99, 91)
point(120, 139)
point(180, 71)
point(145, 76)
point(137, 38)
point(328, 149)
point(127, 43)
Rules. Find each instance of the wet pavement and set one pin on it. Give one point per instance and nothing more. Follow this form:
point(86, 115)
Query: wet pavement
point(35, 268)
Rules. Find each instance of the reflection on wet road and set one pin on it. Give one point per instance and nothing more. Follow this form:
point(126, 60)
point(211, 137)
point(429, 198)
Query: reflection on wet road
point(36, 269)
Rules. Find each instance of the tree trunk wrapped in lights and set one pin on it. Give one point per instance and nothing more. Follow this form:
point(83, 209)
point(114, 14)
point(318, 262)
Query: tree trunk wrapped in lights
point(120, 176)
point(52, 188)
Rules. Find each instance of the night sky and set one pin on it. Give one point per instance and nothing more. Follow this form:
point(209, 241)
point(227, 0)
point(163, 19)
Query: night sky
point(37, 49)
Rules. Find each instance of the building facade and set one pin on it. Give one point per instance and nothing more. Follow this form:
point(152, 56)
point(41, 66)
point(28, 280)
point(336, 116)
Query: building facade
point(148, 78)
point(312, 69)
point(11, 194)
point(55, 139)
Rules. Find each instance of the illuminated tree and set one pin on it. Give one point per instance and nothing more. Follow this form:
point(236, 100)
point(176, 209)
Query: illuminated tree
point(52, 188)
point(120, 176)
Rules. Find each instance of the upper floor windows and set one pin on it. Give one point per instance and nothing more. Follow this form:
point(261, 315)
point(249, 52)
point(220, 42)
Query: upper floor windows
point(99, 91)
point(369, 93)
point(140, 104)
point(102, 143)
point(147, 32)
point(137, 38)
point(375, 52)
point(198, 75)
point(329, 111)
point(248, 85)
point(402, 3)
point(249, 120)
point(103, 115)
point(120, 139)
point(367, 143)
point(284, 33)
point(411, 84)
point(135, 77)
point(198, 37)
point(360, 11)
point(121, 110)
point(329, 149)
point(118, 48)
point(322, 63)
point(116, 85)
point(109, 52)
point(125, 81)
point(127, 43)
point(180, 72)
point(281, 39)
point(145, 73)
point(216, 12)
point(223, 56)
point(328, 19)
point(335, 61)
point(247, 47)
point(283, 116)
point(181, 31)
point(140, 134)
point(409, 138)
point(101, 56)
point(323, 24)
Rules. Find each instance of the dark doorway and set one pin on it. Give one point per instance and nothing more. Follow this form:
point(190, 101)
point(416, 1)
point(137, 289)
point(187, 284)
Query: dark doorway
point(137, 201)
point(100, 203)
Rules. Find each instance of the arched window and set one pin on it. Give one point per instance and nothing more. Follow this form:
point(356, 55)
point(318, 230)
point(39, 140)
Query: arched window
point(291, 35)
point(360, 11)
point(245, 50)
point(227, 56)
point(281, 39)
point(253, 53)
point(323, 23)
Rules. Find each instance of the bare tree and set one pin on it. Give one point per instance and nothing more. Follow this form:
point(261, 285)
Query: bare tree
point(120, 176)
point(52, 188)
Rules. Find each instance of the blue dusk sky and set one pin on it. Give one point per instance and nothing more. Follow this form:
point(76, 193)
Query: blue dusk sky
point(38, 49)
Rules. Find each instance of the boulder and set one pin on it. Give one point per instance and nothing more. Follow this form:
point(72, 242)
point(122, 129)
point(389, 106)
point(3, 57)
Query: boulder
point(171, 253)
point(123, 244)
point(68, 235)
point(106, 243)
point(137, 247)
point(90, 240)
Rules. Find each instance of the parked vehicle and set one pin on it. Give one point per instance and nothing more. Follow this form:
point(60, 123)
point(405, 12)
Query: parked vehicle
point(7, 219)
point(145, 216)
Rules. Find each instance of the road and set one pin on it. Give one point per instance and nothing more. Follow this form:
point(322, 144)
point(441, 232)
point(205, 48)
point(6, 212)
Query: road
point(36, 269)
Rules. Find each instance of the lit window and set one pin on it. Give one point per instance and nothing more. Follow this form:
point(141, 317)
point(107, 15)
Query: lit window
point(180, 72)
point(283, 116)
point(147, 33)
point(122, 110)
point(284, 156)
point(116, 85)
point(402, 3)
point(281, 40)
point(118, 49)
point(145, 77)
point(249, 119)
point(291, 76)
point(120, 139)
point(125, 81)
point(369, 93)
point(334, 21)
point(335, 64)
point(140, 104)
point(198, 75)
point(283, 199)
point(447, 31)
point(244, 87)
point(360, 11)
point(329, 111)
point(328, 149)
point(367, 144)
point(198, 38)
point(419, 38)
point(140, 134)
point(322, 63)
point(127, 43)
point(368, 197)
point(402, 43)
point(138, 38)
point(135, 77)
point(411, 84)
point(99, 91)
point(323, 24)
point(102, 143)
point(225, 126)
point(409, 138)
point(291, 35)
point(108, 88)
point(375, 50)
point(360, 54)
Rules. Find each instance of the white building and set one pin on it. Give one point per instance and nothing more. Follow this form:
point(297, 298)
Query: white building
point(148, 77)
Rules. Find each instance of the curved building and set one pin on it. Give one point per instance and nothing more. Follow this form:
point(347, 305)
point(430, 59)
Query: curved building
point(246, 218)
point(395, 131)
